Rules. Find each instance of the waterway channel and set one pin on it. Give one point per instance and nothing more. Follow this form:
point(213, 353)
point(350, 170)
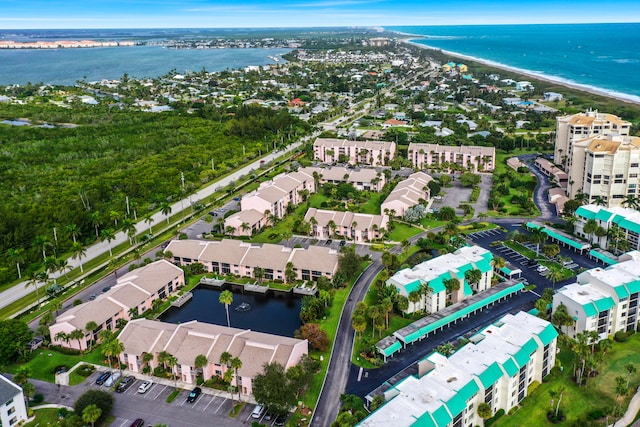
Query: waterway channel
point(275, 313)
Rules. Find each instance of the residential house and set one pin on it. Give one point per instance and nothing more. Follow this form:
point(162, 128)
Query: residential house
point(409, 192)
point(133, 294)
point(437, 271)
point(552, 96)
point(358, 227)
point(374, 153)
point(558, 198)
point(235, 257)
point(13, 408)
point(186, 341)
point(476, 158)
point(496, 367)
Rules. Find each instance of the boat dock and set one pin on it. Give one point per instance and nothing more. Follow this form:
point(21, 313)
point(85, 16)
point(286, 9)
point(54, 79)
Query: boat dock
point(182, 299)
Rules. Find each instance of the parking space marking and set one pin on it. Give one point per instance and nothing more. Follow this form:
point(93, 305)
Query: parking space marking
point(158, 395)
point(220, 406)
point(124, 423)
point(210, 402)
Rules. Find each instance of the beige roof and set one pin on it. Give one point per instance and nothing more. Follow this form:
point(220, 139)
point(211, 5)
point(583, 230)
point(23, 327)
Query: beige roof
point(188, 340)
point(341, 219)
point(153, 276)
point(226, 250)
point(410, 190)
point(186, 248)
point(610, 144)
point(475, 150)
point(274, 256)
point(280, 186)
point(99, 310)
point(250, 216)
point(337, 173)
point(316, 258)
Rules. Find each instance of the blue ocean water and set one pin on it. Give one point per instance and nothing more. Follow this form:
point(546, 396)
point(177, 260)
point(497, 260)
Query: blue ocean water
point(66, 66)
point(604, 57)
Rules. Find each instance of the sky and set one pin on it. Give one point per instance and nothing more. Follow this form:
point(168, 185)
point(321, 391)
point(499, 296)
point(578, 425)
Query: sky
point(50, 14)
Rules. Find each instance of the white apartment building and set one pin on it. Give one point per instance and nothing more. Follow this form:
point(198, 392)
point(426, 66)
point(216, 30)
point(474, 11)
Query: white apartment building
point(358, 227)
point(363, 179)
point(374, 153)
point(408, 193)
point(607, 167)
point(496, 368)
point(625, 222)
point(436, 271)
point(13, 409)
point(471, 157)
point(603, 299)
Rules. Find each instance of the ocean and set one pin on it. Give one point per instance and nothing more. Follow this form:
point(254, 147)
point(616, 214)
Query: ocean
point(602, 57)
point(66, 66)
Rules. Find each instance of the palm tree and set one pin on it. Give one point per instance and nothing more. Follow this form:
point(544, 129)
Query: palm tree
point(226, 298)
point(165, 209)
point(414, 297)
point(538, 236)
point(554, 275)
point(172, 362)
point(149, 220)
point(91, 414)
point(590, 228)
point(146, 358)
point(77, 334)
point(373, 312)
point(90, 327)
point(473, 276)
point(402, 303)
point(16, 256)
point(109, 236)
point(359, 324)
point(236, 364)
point(631, 369)
point(484, 411)
point(28, 390)
point(77, 252)
point(498, 262)
point(290, 274)
point(41, 243)
point(452, 285)
point(35, 278)
point(163, 356)
point(94, 217)
point(115, 216)
point(200, 362)
point(424, 289)
point(630, 201)
point(74, 231)
point(599, 201)
point(387, 307)
point(129, 227)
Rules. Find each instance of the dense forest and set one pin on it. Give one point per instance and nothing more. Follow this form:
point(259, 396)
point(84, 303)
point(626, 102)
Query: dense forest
point(77, 177)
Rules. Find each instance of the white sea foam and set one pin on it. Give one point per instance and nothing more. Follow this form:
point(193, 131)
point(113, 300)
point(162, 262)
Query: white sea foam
point(539, 75)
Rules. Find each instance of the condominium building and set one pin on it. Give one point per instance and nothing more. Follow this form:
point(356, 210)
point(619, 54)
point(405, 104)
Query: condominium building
point(437, 271)
point(374, 153)
point(606, 168)
point(580, 126)
point(274, 196)
point(358, 227)
point(186, 341)
point(363, 179)
point(496, 367)
point(13, 409)
point(242, 258)
point(471, 157)
point(133, 294)
point(621, 224)
point(604, 300)
point(408, 193)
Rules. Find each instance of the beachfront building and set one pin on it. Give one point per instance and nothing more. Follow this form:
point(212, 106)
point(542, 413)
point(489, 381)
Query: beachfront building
point(363, 179)
point(133, 294)
point(604, 300)
point(605, 168)
point(580, 126)
point(471, 157)
point(496, 367)
point(408, 193)
point(373, 153)
point(621, 226)
point(358, 227)
point(437, 274)
point(235, 257)
point(188, 340)
point(13, 409)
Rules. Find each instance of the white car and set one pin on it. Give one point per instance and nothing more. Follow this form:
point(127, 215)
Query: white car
point(542, 269)
point(145, 386)
point(112, 379)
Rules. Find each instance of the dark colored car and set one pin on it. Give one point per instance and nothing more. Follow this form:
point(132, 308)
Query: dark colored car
point(103, 377)
point(138, 423)
point(343, 242)
point(194, 395)
point(280, 420)
point(106, 289)
point(125, 384)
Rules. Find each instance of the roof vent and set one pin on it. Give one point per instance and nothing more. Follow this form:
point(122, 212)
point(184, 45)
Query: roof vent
point(452, 379)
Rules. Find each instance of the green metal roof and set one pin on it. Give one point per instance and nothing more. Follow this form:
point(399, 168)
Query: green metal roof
point(548, 334)
point(523, 355)
point(590, 309)
point(491, 375)
point(413, 336)
point(566, 240)
point(585, 213)
point(484, 265)
point(511, 367)
point(441, 416)
point(463, 269)
point(630, 225)
point(392, 349)
point(534, 311)
point(466, 289)
point(412, 286)
point(437, 285)
point(633, 287)
point(458, 403)
point(425, 420)
point(621, 291)
point(506, 270)
point(604, 215)
point(605, 304)
point(602, 257)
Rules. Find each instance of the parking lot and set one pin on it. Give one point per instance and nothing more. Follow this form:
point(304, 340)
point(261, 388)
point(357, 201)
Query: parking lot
point(152, 407)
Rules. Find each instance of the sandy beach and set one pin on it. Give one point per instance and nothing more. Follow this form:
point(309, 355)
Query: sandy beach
point(623, 97)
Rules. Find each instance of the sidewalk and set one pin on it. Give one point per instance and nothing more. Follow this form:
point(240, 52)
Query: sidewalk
point(632, 411)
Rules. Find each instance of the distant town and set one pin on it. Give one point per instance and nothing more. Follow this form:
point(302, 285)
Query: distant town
point(62, 44)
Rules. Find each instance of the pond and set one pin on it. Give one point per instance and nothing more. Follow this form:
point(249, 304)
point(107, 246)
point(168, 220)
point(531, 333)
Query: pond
point(275, 313)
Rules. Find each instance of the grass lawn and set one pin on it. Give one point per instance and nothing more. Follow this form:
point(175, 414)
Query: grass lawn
point(45, 361)
point(372, 206)
point(468, 229)
point(44, 417)
point(577, 402)
point(432, 223)
point(403, 231)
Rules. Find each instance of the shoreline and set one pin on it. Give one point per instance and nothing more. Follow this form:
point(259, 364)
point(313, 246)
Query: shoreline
point(618, 96)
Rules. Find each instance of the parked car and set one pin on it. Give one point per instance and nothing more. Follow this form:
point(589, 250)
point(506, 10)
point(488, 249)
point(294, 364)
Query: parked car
point(106, 289)
point(112, 379)
point(194, 395)
point(280, 420)
point(145, 386)
point(138, 423)
point(258, 411)
point(103, 377)
point(93, 296)
point(125, 384)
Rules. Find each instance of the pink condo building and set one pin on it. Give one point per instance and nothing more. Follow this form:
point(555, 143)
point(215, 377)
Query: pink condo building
point(474, 158)
point(188, 340)
point(133, 294)
point(373, 153)
point(354, 226)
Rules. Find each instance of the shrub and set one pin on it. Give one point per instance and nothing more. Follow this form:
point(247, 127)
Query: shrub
point(556, 418)
point(621, 336)
point(496, 417)
point(37, 399)
point(596, 414)
point(66, 351)
point(85, 370)
point(173, 395)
